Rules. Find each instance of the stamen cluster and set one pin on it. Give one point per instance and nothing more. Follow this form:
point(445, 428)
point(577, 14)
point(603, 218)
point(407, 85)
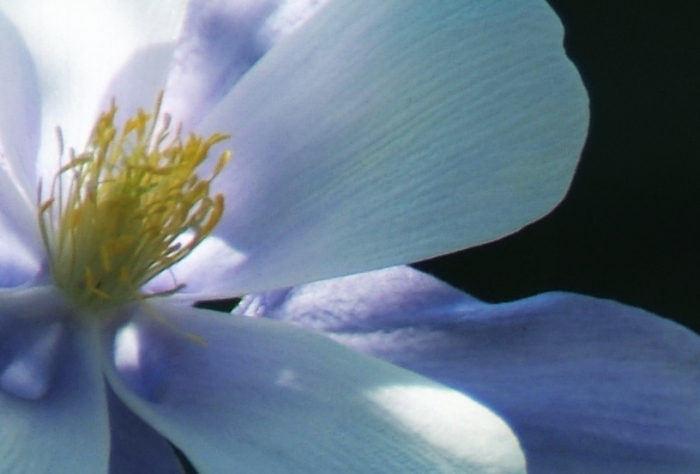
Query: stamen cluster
point(127, 208)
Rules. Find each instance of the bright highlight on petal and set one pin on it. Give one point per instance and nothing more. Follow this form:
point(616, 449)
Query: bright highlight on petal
point(265, 397)
point(430, 413)
point(117, 212)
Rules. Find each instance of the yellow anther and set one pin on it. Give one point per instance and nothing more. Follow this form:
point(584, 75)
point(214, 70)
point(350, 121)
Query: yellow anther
point(223, 161)
point(128, 207)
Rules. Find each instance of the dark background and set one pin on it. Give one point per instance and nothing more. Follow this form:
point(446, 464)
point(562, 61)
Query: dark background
point(629, 229)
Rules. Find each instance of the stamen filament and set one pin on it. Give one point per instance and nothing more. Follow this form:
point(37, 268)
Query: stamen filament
point(133, 207)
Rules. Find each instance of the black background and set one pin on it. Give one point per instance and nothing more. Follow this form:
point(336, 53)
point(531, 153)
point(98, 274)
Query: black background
point(629, 229)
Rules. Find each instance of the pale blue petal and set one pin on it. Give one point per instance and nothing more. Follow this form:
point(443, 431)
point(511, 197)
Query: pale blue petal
point(588, 385)
point(135, 447)
point(264, 397)
point(19, 110)
point(387, 133)
point(19, 139)
point(18, 264)
point(65, 429)
point(137, 84)
point(78, 45)
point(221, 40)
point(206, 273)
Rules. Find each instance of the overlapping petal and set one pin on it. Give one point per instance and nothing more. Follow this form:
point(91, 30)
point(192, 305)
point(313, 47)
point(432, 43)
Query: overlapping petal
point(77, 47)
point(66, 428)
point(463, 110)
point(17, 264)
point(19, 106)
point(329, 160)
point(259, 396)
point(135, 447)
point(138, 82)
point(19, 131)
point(468, 111)
point(588, 385)
point(221, 40)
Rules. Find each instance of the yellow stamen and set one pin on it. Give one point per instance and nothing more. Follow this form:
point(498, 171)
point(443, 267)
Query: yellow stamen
point(127, 208)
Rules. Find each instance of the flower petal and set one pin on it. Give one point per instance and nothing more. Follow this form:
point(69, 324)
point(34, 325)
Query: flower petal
point(77, 46)
point(65, 430)
point(137, 84)
point(588, 385)
point(220, 41)
point(206, 273)
point(19, 110)
point(19, 138)
point(135, 447)
point(18, 264)
point(378, 135)
point(258, 396)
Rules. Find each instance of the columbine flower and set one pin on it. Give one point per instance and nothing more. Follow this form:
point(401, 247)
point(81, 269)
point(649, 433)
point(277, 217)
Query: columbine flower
point(587, 385)
point(363, 136)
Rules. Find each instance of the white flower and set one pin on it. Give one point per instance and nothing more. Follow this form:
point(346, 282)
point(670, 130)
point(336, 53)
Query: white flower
point(363, 136)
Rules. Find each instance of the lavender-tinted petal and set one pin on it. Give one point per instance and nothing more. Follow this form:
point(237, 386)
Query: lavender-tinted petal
point(138, 82)
point(588, 385)
point(28, 358)
point(18, 264)
point(250, 395)
point(135, 447)
point(66, 429)
point(206, 273)
point(221, 40)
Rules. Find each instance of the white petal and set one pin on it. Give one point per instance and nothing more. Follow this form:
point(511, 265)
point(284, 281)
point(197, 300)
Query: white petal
point(588, 385)
point(19, 108)
point(66, 430)
point(264, 397)
point(77, 46)
point(382, 134)
point(19, 139)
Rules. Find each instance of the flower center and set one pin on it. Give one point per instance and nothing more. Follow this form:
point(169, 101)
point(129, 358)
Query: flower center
point(127, 208)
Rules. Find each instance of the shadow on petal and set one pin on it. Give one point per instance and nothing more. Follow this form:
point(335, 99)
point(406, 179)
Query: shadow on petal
point(57, 420)
point(135, 446)
point(261, 396)
point(588, 385)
